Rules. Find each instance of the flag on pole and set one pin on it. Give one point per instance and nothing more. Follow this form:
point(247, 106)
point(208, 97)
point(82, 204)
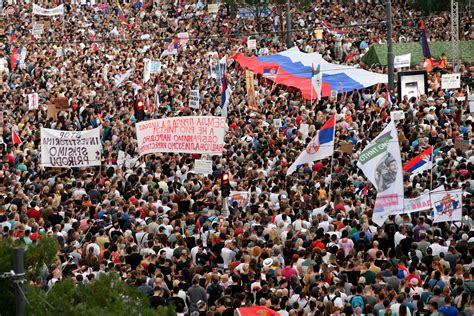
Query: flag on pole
point(12, 35)
point(121, 14)
point(420, 163)
point(171, 48)
point(317, 80)
point(363, 191)
point(332, 30)
point(388, 98)
point(425, 46)
point(16, 138)
point(17, 56)
point(157, 90)
point(320, 147)
point(381, 163)
point(226, 95)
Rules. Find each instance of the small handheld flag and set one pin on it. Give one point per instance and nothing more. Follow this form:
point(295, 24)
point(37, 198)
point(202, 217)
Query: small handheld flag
point(420, 163)
point(16, 140)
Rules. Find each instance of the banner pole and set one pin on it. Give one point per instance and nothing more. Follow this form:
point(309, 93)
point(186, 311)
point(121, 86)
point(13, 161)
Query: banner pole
point(332, 161)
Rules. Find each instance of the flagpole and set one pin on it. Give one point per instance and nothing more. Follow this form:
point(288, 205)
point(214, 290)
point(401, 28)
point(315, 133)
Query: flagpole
point(431, 169)
point(332, 161)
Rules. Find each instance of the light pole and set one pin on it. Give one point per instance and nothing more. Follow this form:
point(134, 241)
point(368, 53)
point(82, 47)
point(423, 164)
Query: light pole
point(289, 43)
point(390, 57)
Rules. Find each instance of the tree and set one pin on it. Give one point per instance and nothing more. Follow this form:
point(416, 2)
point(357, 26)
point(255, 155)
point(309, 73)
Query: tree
point(436, 5)
point(107, 295)
point(36, 256)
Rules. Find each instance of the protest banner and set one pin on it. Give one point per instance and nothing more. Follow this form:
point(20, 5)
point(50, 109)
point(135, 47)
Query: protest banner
point(252, 44)
point(402, 61)
point(203, 166)
point(397, 115)
point(33, 101)
point(463, 144)
point(37, 29)
point(189, 134)
point(194, 99)
point(250, 85)
point(447, 206)
point(183, 38)
point(304, 129)
point(451, 81)
point(65, 149)
point(346, 148)
point(242, 198)
point(146, 69)
point(59, 10)
point(213, 8)
point(61, 103)
point(155, 67)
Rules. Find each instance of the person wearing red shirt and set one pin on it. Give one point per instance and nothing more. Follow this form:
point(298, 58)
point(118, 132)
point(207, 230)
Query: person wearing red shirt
point(287, 272)
point(34, 211)
point(412, 275)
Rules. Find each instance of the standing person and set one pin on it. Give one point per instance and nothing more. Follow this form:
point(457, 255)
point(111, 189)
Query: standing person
point(195, 294)
point(448, 309)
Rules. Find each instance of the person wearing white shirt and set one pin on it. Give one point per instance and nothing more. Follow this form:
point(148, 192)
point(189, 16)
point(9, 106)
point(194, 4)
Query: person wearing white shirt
point(399, 236)
point(438, 247)
point(227, 253)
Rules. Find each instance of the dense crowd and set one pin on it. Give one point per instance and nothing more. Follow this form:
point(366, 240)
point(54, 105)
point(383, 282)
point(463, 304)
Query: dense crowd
point(305, 244)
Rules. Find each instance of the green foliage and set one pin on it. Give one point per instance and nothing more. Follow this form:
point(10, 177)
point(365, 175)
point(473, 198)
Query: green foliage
point(429, 6)
point(107, 295)
point(378, 53)
point(36, 255)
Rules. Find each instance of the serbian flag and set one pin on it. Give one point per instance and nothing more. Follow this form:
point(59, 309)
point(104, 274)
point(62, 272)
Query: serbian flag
point(332, 30)
point(16, 140)
point(270, 72)
point(226, 95)
point(420, 163)
point(18, 55)
point(171, 48)
point(320, 147)
point(12, 35)
point(363, 192)
point(388, 98)
point(121, 15)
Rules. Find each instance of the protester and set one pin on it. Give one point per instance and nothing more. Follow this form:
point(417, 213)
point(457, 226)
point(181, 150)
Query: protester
point(304, 244)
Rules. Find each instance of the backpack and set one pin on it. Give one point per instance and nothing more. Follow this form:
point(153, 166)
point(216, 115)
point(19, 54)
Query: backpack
point(358, 301)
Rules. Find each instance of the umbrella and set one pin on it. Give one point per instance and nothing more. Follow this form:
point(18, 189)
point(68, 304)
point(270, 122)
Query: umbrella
point(256, 311)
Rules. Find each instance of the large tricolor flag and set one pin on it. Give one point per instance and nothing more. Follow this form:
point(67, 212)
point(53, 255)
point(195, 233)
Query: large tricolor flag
point(295, 69)
point(420, 163)
point(332, 30)
point(320, 147)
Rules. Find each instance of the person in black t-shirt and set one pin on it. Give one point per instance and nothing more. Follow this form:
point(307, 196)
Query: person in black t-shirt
point(157, 299)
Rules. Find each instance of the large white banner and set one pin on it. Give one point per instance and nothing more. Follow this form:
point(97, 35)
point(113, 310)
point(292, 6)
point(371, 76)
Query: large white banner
point(70, 149)
point(447, 206)
point(382, 165)
point(59, 10)
point(402, 61)
point(189, 134)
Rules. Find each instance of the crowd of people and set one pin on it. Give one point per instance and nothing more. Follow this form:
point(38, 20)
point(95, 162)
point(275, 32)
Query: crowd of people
point(305, 244)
